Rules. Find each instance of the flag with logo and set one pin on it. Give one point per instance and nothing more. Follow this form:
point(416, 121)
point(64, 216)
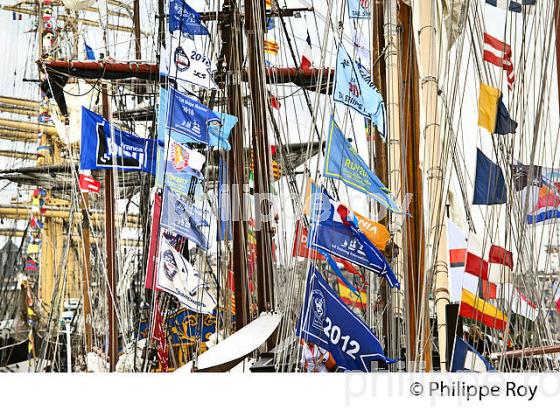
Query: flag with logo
point(176, 276)
point(105, 147)
point(343, 162)
point(185, 64)
point(359, 9)
point(183, 17)
point(327, 322)
point(185, 160)
point(183, 218)
point(354, 88)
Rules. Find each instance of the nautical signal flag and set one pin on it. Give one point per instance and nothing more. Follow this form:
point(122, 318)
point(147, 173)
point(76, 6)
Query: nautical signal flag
point(306, 57)
point(487, 261)
point(88, 183)
point(515, 6)
point(467, 358)
point(489, 185)
point(538, 189)
point(271, 47)
point(492, 113)
point(499, 54)
point(556, 297)
point(473, 307)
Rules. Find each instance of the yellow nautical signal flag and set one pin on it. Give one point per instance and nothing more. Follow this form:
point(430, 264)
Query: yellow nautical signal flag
point(271, 47)
point(482, 310)
point(492, 113)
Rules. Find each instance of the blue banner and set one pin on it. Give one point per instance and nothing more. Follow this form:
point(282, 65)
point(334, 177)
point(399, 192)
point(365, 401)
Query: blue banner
point(183, 17)
point(328, 233)
point(354, 88)
point(182, 218)
point(189, 121)
point(327, 322)
point(104, 146)
point(359, 9)
point(344, 163)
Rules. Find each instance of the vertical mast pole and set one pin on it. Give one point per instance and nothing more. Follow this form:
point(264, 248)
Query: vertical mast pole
point(86, 272)
point(436, 246)
point(393, 136)
point(110, 247)
point(233, 46)
point(137, 42)
point(254, 27)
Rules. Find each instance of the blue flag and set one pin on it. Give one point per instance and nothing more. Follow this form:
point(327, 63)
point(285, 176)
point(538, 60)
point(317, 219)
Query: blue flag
point(183, 17)
point(182, 218)
point(344, 163)
point(467, 359)
point(329, 232)
point(189, 121)
point(359, 9)
point(327, 322)
point(353, 87)
point(104, 146)
point(489, 185)
point(90, 55)
point(504, 123)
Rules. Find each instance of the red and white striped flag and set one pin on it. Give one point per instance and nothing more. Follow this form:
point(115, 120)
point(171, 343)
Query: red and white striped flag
point(499, 54)
point(88, 183)
point(488, 261)
point(306, 59)
point(557, 297)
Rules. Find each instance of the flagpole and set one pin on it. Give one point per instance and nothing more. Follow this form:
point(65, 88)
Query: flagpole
point(436, 246)
point(393, 139)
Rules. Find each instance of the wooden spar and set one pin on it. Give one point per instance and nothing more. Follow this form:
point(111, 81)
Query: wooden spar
point(28, 126)
point(18, 154)
point(413, 181)
point(136, 26)
point(12, 135)
point(254, 28)
point(20, 102)
point(392, 56)
point(436, 244)
point(233, 47)
point(110, 247)
point(528, 352)
point(86, 272)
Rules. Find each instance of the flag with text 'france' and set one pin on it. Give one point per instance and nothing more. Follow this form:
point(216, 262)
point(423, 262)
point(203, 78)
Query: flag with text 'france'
point(489, 184)
point(515, 6)
point(492, 112)
point(465, 358)
point(183, 17)
point(354, 88)
point(333, 233)
point(344, 163)
point(183, 218)
point(359, 9)
point(104, 147)
point(186, 64)
point(189, 121)
point(176, 276)
point(538, 189)
point(327, 322)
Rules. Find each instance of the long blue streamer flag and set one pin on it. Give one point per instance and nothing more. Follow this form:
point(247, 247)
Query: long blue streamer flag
point(354, 87)
point(103, 147)
point(183, 17)
point(327, 322)
point(344, 163)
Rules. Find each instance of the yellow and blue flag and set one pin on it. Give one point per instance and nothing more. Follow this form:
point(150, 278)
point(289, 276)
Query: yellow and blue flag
point(492, 113)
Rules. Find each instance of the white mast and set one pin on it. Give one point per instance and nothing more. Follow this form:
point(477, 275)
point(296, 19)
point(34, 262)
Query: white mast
point(436, 246)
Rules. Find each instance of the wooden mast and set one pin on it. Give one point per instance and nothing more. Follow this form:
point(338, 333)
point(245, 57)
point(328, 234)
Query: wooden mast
point(413, 233)
point(233, 46)
point(110, 247)
point(436, 245)
point(254, 28)
point(86, 272)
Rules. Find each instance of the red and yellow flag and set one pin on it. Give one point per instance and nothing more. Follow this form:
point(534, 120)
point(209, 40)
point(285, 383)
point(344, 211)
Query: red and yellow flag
point(271, 47)
point(483, 311)
point(350, 298)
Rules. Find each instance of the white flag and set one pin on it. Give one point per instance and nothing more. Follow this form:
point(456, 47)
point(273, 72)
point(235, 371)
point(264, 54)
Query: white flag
point(176, 276)
point(185, 63)
point(361, 48)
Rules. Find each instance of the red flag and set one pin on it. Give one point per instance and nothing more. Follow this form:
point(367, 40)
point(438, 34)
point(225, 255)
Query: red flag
point(89, 184)
point(274, 103)
point(154, 241)
point(499, 54)
point(485, 263)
